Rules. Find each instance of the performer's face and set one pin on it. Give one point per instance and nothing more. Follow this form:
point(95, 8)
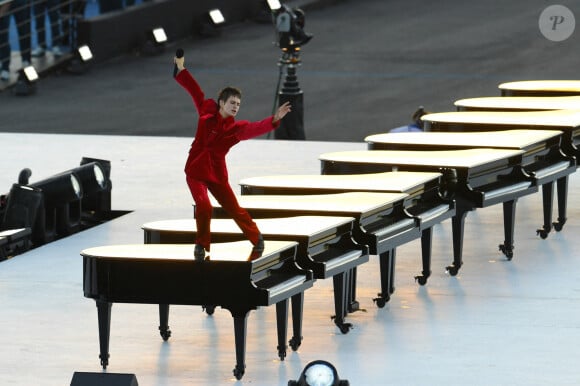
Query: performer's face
point(230, 107)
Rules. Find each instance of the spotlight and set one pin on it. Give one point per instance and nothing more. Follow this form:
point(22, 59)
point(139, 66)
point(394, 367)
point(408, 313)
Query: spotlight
point(80, 63)
point(212, 22)
point(155, 42)
point(62, 195)
point(319, 373)
point(94, 176)
point(26, 83)
point(25, 210)
point(289, 25)
point(274, 5)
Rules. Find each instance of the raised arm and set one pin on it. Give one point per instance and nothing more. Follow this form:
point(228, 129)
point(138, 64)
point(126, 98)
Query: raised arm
point(255, 129)
point(188, 82)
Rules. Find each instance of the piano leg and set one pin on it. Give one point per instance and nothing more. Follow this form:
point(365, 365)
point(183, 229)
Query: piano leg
point(340, 282)
point(457, 227)
point(240, 324)
point(297, 312)
point(282, 325)
point(426, 238)
point(352, 304)
point(386, 263)
point(562, 185)
point(509, 217)
point(164, 321)
point(547, 193)
point(104, 317)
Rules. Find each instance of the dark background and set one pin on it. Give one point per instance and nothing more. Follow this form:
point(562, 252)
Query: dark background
point(370, 65)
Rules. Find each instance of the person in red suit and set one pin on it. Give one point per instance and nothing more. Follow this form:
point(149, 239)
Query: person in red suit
point(206, 170)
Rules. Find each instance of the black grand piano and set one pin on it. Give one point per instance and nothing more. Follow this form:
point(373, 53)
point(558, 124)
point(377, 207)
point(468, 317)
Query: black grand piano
point(166, 274)
point(325, 247)
point(543, 158)
point(400, 220)
point(565, 121)
point(485, 177)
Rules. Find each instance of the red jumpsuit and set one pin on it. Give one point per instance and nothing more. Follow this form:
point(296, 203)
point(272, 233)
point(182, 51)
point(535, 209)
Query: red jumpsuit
point(206, 169)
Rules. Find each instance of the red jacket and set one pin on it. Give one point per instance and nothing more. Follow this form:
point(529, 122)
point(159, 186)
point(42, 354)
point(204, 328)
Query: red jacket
point(215, 135)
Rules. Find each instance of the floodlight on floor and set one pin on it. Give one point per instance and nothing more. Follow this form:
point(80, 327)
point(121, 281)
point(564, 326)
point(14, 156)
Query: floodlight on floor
point(62, 194)
point(319, 373)
point(81, 60)
point(26, 83)
point(94, 176)
point(25, 210)
point(212, 22)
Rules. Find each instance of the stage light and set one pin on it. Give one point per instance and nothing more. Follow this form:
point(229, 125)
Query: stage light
point(216, 17)
point(211, 23)
point(26, 83)
point(80, 62)
point(319, 373)
point(25, 210)
point(159, 35)
point(94, 175)
point(155, 41)
point(274, 5)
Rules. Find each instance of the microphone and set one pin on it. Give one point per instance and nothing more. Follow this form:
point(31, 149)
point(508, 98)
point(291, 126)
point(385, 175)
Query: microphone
point(178, 54)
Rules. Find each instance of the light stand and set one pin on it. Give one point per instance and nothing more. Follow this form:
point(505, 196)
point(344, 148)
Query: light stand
point(292, 125)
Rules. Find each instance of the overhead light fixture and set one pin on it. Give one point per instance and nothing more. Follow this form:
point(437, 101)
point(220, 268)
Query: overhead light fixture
point(212, 23)
point(80, 62)
point(319, 373)
point(26, 83)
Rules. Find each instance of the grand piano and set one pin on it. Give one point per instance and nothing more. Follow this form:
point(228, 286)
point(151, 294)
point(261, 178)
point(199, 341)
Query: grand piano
point(566, 121)
point(485, 177)
point(166, 274)
point(402, 220)
point(540, 88)
point(543, 159)
point(325, 246)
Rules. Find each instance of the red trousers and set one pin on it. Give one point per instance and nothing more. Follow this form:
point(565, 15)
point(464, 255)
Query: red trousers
point(224, 194)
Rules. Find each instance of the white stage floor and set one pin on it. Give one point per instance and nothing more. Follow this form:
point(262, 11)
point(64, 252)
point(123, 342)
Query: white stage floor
point(497, 322)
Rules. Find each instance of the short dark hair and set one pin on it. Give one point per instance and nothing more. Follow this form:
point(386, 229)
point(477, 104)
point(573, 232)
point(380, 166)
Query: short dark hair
point(228, 92)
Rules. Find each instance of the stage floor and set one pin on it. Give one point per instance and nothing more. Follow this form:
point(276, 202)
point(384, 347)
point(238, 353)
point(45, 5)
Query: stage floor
point(497, 322)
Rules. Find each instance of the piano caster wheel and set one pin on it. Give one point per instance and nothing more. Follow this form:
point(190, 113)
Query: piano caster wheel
point(542, 233)
point(208, 309)
point(452, 270)
point(421, 279)
point(507, 251)
point(165, 334)
point(382, 300)
point(295, 343)
point(281, 352)
point(239, 373)
point(559, 225)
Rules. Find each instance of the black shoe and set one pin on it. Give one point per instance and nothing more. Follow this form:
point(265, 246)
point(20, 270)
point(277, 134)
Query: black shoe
point(199, 252)
point(258, 249)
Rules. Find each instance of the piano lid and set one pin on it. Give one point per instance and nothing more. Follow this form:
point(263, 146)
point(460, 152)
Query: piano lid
point(457, 159)
point(349, 204)
point(308, 226)
point(547, 86)
point(554, 119)
point(504, 139)
point(232, 252)
point(399, 182)
point(525, 103)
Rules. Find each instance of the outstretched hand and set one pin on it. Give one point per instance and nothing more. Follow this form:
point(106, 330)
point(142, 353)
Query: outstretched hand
point(282, 111)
